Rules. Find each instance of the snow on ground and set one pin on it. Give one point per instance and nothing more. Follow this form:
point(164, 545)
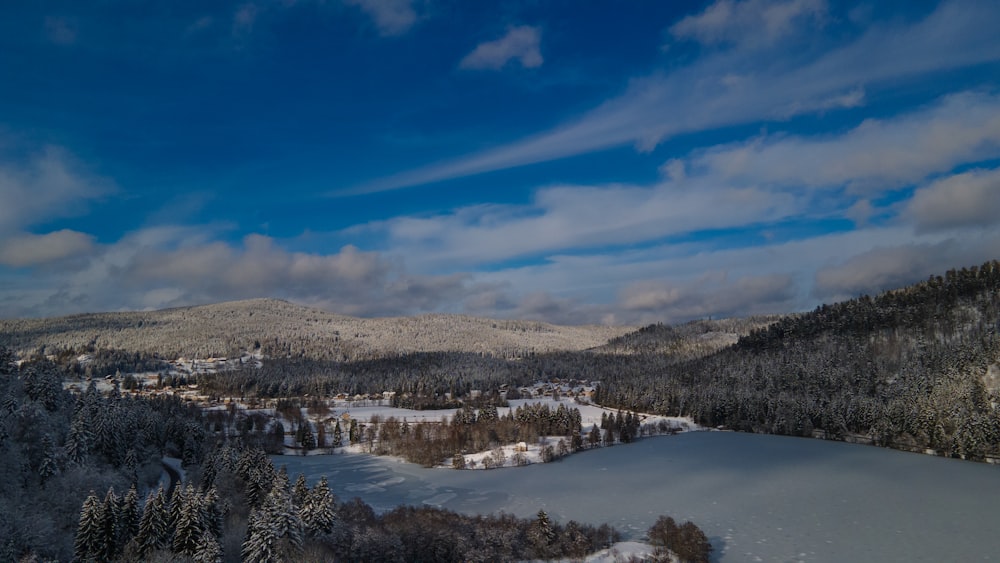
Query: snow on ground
point(365, 413)
point(621, 551)
point(175, 464)
point(512, 455)
point(590, 414)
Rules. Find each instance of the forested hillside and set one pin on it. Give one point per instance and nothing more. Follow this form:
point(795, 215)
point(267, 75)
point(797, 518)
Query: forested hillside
point(914, 368)
point(56, 447)
point(281, 329)
point(687, 341)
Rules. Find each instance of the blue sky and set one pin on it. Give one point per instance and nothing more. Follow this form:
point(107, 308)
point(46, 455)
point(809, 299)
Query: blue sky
point(574, 162)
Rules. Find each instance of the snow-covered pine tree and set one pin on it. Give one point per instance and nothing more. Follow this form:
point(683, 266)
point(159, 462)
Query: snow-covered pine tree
point(78, 442)
point(317, 512)
point(174, 510)
point(88, 532)
point(188, 526)
point(128, 517)
point(131, 465)
point(110, 511)
point(283, 516)
point(208, 549)
point(260, 543)
point(48, 466)
point(153, 531)
point(212, 513)
point(541, 534)
point(300, 490)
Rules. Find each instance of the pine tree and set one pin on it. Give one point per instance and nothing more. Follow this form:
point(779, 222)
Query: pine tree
point(89, 532)
point(542, 535)
point(275, 529)
point(300, 491)
point(260, 543)
point(338, 435)
point(208, 549)
point(48, 466)
point(174, 509)
point(308, 440)
point(78, 442)
point(317, 512)
point(188, 528)
point(153, 531)
point(128, 518)
point(354, 435)
point(110, 511)
point(131, 466)
point(212, 514)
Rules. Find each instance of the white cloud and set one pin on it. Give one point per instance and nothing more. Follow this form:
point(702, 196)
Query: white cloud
point(749, 21)
point(171, 266)
point(878, 154)
point(568, 217)
point(46, 185)
point(890, 266)
point(681, 282)
point(520, 43)
point(698, 97)
point(731, 186)
point(391, 17)
point(963, 200)
point(32, 250)
point(714, 294)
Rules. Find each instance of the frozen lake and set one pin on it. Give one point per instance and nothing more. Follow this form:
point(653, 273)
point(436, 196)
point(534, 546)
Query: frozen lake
point(757, 497)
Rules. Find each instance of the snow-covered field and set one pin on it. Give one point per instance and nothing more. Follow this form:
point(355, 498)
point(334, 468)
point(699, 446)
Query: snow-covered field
point(512, 454)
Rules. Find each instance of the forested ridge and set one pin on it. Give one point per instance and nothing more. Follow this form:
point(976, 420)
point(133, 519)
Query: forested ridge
point(913, 368)
point(286, 330)
point(56, 447)
point(81, 482)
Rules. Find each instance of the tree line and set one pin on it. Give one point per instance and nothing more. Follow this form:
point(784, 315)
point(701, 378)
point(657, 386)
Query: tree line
point(238, 507)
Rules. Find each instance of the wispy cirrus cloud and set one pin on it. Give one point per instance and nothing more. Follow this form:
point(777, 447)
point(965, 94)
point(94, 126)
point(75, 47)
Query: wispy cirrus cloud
point(750, 21)
point(732, 87)
point(519, 43)
point(875, 155)
point(568, 217)
point(736, 185)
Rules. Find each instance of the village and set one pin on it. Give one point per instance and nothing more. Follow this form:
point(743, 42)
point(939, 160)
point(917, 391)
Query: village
point(351, 423)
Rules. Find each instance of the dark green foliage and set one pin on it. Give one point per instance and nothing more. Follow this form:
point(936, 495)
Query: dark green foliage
point(153, 531)
point(189, 526)
point(129, 518)
point(909, 369)
point(686, 541)
point(55, 447)
point(317, 511)
point(89, 532)
point(469, 431)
